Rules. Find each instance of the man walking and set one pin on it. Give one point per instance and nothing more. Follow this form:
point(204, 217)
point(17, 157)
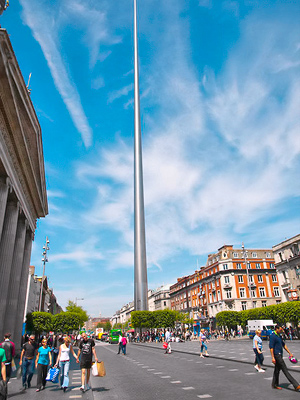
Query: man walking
point(276, 346)
point(86, 349)
point(9, 347)
point(28, 355)
point(120, 343)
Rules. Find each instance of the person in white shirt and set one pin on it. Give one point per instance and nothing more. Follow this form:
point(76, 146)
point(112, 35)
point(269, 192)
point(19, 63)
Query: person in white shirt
point(63, 360)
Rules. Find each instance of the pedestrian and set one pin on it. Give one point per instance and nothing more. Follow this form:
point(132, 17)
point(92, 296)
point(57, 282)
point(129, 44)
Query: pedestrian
point(257, 348)
point(276, 346)
point(28, 354)
point(120, 343)
point(203, 341)
point(42, 361)
point(2, 364)
point(63, 360)
point(86, 349)
point(124, 343)
point(9, 348)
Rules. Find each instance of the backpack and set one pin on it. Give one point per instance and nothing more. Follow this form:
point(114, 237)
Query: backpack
point(124, 341)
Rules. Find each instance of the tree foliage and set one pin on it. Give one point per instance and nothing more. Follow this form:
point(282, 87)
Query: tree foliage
point(66, 322)
point(39, 322)
point(158, 319)
point(280, 314)
point(72, 307)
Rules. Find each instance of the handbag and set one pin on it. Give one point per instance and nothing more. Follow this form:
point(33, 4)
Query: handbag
point(94, 370)
point(101, 368)
point(52, 375)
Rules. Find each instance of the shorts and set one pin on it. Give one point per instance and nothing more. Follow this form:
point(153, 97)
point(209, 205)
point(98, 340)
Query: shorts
point(85, 364)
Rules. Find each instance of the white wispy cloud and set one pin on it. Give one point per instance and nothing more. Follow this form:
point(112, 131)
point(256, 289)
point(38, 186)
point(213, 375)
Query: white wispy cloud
point(120, 93)
point(45, 32)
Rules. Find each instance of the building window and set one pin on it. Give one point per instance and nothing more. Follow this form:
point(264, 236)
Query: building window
point(264, 303)
point(228, 294)
point(226, 279)
point(274, 278)
point(268, 255)
point(225, 266)
point(259, 278)
point(219, 295)
point(253, 292)
point(248, 265)
point(278, 301)
point(242, 292)
point(254, 304)
point(254, 255)
point(238, 266)
point(165, 303)
point(257, 266)
point(262, 292)
point(272, 265)
point(251, 280)
point(241, 278)
point(244, 305)
point(236, 255)
point(276, 292)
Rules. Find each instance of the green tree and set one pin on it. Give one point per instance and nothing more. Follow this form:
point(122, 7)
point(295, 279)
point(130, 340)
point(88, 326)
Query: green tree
point(39, 322)
point(83, 316)
point(228, 318)
point(142, 319)
point(66, 322)
point(107, 326)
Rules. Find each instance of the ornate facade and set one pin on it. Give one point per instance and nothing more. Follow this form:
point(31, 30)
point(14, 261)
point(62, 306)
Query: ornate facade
point(23, 197)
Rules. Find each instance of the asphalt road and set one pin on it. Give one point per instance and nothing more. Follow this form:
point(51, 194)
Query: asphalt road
point(147, 373)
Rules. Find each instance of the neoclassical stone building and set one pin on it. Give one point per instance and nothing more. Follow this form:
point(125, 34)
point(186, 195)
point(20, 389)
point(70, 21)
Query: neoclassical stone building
point(23, 197)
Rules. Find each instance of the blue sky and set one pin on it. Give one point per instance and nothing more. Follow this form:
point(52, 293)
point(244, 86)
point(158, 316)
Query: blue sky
point(219, 85)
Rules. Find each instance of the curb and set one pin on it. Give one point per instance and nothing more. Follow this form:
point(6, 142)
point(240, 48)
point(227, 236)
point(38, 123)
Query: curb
point(215, 357)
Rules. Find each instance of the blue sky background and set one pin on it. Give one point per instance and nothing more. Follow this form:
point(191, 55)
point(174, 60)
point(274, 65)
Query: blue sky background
point(220, 108)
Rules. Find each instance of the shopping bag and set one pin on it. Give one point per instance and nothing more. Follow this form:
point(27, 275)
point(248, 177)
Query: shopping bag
point(101, 368)
point(165, 345)
point(52, 375)
point(19, 372)
point(13, 365)
point(95, 369)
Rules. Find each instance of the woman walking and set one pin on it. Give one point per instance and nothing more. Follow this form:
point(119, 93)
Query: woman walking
point(257, 348)
point(63, 360)
point(43, 359)
point(203, 341)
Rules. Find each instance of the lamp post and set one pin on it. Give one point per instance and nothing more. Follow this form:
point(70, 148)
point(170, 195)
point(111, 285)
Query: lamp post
point(140, 263)
point(44, 261)
point(245, 255)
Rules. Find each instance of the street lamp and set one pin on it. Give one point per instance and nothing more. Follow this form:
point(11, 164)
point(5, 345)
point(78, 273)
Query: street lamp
point(76, 299)
point(44, 261)
point(245, 255)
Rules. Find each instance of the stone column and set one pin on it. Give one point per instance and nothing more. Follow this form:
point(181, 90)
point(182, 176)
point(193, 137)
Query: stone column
point(3, 200)
point(7, 245)
point(15, 277)
point(23, 289)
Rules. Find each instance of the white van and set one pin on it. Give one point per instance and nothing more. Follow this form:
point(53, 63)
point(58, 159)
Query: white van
point(266, 326)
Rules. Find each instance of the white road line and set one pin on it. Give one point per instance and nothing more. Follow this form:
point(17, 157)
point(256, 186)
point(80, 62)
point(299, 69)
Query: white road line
point(233, 370)
point(220, 366)
point(250, 373)
point(208, 364)
point(204, 396)
point(151, 369)
point(145, 366)
point(175, 381)
point(268, 379)
point(164, 377)
point(157, 373)
point(188, 388)
point(231, 357)
point(198, 362)
point(75, 397)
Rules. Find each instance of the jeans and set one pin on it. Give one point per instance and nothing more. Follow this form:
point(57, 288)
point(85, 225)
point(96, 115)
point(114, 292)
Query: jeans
point(41, 375)
point(259, 358)
point(203, 346)
point(120, 347)
point(27, 370)
point(280, 365)
point(64, 373)
point(124, 349)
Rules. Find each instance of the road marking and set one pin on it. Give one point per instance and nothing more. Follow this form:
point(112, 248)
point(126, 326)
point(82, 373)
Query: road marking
point(78, 388)
point(175, 381)
point(204, 396)
point(75, 397)
point(268, 379)
point(220, 366)
point(157, 373)
point(164, 377)
point(208, 364)
point(198, 362)
point(140, 364)
point(231, 357)
point(233, 370)
point(242, 354)
point(250, 373)
point(188, 388)
point(151, 369)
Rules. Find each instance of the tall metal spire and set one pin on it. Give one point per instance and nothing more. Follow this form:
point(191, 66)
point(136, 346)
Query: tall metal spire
point(140, 263)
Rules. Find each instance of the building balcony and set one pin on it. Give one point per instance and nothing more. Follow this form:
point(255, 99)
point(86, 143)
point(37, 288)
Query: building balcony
point(285, 286)
point(227, 285)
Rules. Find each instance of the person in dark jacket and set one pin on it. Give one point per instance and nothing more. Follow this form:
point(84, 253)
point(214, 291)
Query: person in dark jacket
point(9, 348)
point(276, 346)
